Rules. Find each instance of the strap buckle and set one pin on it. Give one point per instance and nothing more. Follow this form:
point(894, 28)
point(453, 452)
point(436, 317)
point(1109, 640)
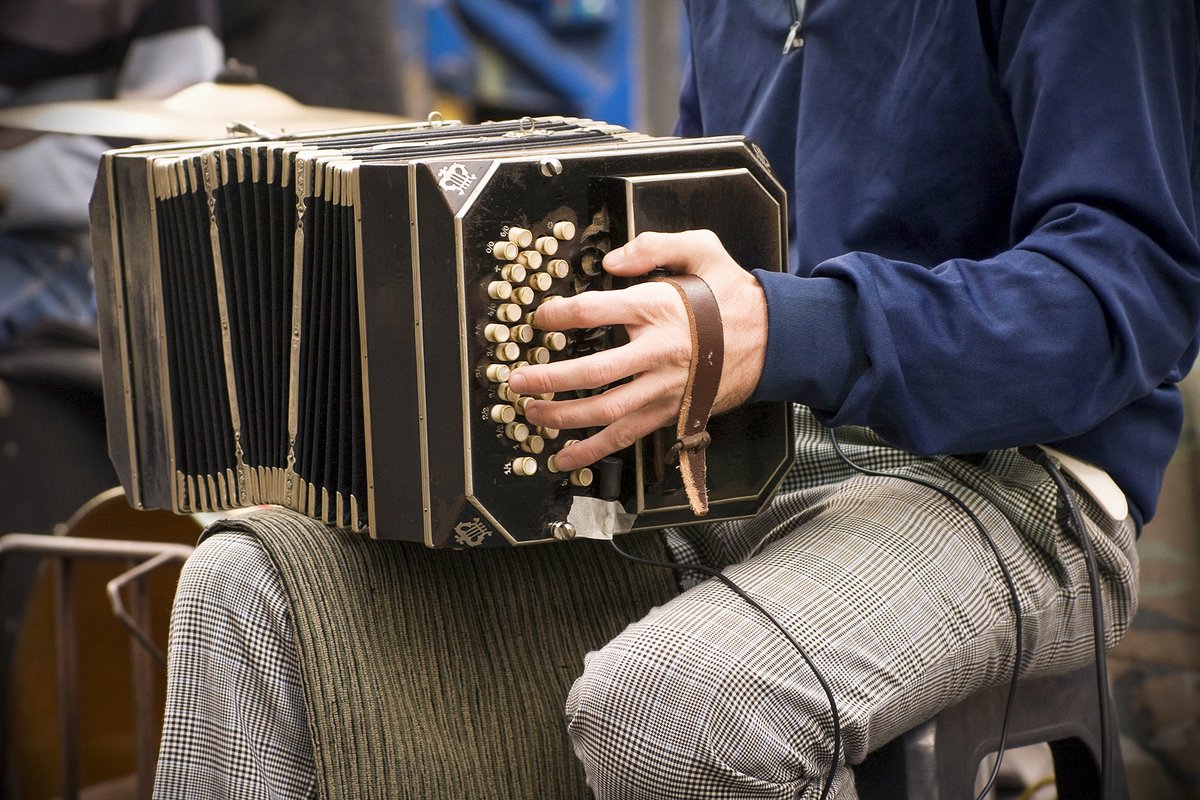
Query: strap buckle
point(692, 443)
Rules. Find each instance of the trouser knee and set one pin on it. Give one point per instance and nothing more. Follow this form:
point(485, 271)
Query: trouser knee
point(660, 715)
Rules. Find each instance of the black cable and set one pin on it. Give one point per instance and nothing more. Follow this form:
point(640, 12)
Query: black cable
point(740, 592)
point(1008, 580)
point(1076, 522)
point(1085, 544)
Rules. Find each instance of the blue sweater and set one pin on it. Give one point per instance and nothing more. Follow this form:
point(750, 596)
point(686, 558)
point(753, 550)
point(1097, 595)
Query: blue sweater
point(993, 211)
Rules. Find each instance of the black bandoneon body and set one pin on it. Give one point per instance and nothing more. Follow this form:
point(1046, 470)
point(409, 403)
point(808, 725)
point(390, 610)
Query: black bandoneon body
point(325, 322)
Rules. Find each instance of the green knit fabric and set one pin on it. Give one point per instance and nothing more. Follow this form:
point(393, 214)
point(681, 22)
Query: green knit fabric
point(443, 674)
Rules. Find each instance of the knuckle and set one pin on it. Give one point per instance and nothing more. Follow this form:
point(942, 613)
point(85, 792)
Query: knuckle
point(614, 408)
point(706, 242)
point(635, 247)
point(539, 383)
point(593, 373)
point(658, 303)
point(677, 351)
point(623, 437)
point(707, 237)
point(681, 350)
point(550, 414)
point(553, 315)
point(647, 245)
point(590, 451)
point(586, 308)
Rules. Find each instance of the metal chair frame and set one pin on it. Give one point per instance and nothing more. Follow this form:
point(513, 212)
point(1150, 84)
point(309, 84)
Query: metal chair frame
point(143, 558)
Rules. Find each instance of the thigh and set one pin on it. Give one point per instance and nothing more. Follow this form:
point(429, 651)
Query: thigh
point(895, 595)
point(235, 722)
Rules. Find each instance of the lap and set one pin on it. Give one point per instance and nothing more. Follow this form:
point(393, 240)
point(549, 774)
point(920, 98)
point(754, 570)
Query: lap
point(889, 587)
point(235, 721)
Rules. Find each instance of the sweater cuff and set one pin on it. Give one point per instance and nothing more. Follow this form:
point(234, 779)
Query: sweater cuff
point(814, 350)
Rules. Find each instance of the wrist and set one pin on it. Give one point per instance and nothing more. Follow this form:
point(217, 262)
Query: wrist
point(746, 325)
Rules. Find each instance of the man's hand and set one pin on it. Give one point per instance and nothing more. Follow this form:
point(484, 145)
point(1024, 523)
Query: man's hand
point(659, 347)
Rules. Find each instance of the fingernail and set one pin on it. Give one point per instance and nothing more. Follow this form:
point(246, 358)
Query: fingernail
point(516, 381)
point(615, 258)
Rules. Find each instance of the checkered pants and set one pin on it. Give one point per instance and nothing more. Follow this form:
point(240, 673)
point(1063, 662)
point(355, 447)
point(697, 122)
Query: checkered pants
point(235, 724)
point(889, 587)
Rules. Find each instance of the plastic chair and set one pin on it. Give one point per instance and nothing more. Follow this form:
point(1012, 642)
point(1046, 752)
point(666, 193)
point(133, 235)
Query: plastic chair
point(939, 759)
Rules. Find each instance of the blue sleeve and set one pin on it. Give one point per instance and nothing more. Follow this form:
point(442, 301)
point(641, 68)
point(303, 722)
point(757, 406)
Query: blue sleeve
point(1098, 301)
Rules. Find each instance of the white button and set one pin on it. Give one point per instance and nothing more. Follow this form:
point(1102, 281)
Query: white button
point(558, 268)
point(505, 251)
point(524, 466)
point(517, 431)
point(520, 236)
point(540, 281)
point(565, 229)
point(547, 245)
point(496, 333)
point(499, 290)
point(505, 393)
point(581, 477)
point(521, 403)
point(530, 258)
point(523, 295)
point(552, 463)
point(497, 373)
point(538, 355)
point(522, 333)
point(503, 414)
point(547, 433)
point(514, 273)
point(508, 351)
point(554, 340)
point(508, 312)
point(534, 444)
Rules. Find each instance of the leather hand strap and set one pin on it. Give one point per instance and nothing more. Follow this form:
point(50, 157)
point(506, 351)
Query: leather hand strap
point(704, 377)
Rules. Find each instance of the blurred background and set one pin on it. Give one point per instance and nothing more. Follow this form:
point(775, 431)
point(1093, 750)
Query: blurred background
point(612, 60)
point(473, 60)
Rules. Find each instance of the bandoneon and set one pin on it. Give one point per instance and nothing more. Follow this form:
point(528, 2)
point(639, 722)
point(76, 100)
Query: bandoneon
point(326, 322)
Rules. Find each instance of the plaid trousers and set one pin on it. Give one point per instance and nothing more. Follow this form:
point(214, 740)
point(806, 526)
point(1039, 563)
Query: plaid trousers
point(887, 585)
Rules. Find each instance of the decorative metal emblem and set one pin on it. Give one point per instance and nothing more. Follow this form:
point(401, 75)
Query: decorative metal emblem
point(471, 534)
point(456, 178)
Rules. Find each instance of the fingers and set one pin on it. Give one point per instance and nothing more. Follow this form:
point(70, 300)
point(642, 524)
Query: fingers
point(658, 352)
point(636, 305)
point(602, 409)
point(689, 251)
point(600, 369)
point(617, 436)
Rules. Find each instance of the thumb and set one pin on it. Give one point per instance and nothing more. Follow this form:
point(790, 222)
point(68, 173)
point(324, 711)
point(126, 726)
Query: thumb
point(678, 252)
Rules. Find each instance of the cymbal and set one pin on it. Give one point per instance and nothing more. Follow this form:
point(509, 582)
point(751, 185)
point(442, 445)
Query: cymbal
point(203, 111)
